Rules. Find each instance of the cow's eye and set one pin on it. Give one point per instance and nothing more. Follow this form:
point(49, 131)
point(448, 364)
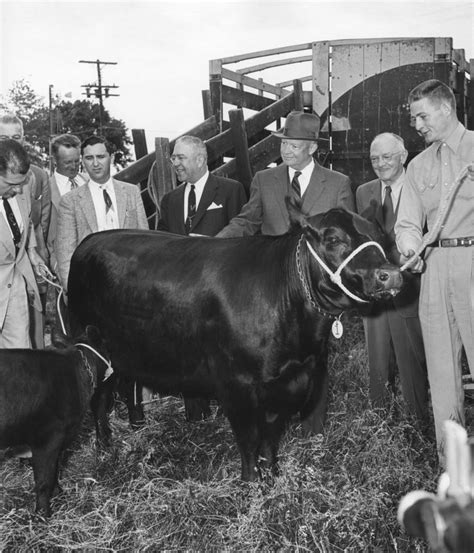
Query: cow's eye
point(333, 240)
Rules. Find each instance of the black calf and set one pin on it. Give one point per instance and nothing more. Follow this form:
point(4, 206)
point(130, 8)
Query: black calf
point(44, 395)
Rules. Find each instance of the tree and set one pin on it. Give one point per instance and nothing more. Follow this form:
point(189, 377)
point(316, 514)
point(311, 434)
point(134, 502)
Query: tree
point(80, 118)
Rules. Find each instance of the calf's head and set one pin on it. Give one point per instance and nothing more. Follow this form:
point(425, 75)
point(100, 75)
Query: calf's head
point(337, 237)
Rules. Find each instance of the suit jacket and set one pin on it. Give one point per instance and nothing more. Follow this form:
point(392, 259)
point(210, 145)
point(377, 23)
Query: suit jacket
point(77, 219)
point(40, 193)
point(266, 211)
point(8, 260)
point(368, 199)
point(221, 200)
point(53, 222)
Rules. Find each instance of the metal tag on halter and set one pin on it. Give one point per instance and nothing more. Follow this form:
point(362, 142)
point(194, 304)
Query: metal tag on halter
point(337, 329)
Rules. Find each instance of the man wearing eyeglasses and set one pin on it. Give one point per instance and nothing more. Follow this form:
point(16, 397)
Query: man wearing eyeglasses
point(11, 127)
point(392, 328)
point(19, 260)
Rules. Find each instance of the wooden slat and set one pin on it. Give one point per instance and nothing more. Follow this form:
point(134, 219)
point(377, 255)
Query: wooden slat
point(239, 139)
point(244, 99)
point(290, 82)
point(264, 53)
point(265, 152)
point(139, 143)
point(254, 83)
point(273, 63)
point(266, 116)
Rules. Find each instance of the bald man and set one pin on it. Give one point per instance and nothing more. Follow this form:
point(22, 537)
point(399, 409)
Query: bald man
point(392, 329)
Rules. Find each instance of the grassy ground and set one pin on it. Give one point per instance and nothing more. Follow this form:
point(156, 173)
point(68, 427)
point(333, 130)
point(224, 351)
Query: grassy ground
point(174, 486)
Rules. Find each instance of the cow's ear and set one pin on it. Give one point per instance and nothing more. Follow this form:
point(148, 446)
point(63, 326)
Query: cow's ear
point(297, 218)
point(93, 335)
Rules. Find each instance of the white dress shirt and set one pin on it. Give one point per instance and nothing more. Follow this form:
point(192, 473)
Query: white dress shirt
point(198, 190)
point(305, 176)
point(105, 221)
point(64, 183)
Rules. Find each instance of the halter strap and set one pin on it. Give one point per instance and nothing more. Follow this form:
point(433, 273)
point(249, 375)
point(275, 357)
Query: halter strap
point(109, 370)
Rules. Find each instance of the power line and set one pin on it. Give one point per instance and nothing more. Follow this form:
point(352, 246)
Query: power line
point(100, 90)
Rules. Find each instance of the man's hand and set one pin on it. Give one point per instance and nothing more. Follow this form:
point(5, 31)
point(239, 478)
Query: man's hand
point(470, 171)
point(416, 265)
point(39, 265)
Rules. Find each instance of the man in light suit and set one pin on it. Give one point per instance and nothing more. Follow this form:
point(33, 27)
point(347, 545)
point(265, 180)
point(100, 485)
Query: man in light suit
point(103, 203)
point(19, 259)
point(392, 329)
point(202, 204)
point(66, 154)
point(217, 199)
point(300, 176)
point(11, 126)
point(319, 188)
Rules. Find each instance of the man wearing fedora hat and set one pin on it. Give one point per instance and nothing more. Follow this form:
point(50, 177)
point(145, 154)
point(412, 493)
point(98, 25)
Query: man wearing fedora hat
point(299, 175)
point(319, 189)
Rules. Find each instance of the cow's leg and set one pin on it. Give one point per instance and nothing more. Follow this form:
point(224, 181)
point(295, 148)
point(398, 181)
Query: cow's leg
point(313, 415)
point(271, 434)
point(131, 392)
point(247, 435)
point(101, 405)
point(196, 408)
point(45, 469)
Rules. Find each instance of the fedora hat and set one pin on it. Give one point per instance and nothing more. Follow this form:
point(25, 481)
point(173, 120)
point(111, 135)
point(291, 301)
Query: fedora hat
point(300, 126)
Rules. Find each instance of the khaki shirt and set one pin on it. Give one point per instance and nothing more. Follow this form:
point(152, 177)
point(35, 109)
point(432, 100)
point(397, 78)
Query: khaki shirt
point(428, 178)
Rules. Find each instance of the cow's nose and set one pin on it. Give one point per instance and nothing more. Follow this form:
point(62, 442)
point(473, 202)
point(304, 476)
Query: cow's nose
point(383, 276)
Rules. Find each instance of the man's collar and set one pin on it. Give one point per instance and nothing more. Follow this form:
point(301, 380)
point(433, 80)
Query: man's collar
point(108, 184)
point(307, 170)
point(202, 181)
point(454, 139)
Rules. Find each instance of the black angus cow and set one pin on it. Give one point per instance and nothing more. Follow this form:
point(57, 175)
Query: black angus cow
point(44, 395)
point(243, 320)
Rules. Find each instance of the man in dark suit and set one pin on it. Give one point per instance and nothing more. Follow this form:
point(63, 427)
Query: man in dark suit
point(202, 204)
point(319, 189)
point(392, 328)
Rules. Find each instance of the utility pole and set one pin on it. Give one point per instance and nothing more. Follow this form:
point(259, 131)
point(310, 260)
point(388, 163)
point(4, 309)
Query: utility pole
point(100, 90)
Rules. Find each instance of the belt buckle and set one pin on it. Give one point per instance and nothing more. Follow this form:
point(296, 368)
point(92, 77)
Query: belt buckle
point(466, 241)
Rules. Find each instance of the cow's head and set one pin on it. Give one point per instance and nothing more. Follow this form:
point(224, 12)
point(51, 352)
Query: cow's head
point(336, 235)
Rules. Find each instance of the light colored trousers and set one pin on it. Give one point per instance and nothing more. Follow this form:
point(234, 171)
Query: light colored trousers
point(447, 322)
point(15, 332)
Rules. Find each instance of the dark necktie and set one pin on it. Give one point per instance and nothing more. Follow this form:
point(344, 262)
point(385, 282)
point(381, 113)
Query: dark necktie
point(295, 184)
point(107, 200)
point(191, 208)
point(388, 213)
point(73, 184)
point(13, 223)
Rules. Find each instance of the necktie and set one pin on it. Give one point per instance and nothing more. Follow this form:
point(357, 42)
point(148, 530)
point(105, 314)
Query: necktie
point(13, 223)
point(73, 184)
point(107, 200)
point(388, 213)
point(295, 184)
point(191, 208)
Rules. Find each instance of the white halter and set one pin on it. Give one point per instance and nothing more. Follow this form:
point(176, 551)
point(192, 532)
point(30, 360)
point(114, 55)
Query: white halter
point(336, 277)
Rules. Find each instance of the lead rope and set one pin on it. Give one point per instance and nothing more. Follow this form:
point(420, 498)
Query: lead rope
point(440, 216)
point(49, 278)
point(109, 370)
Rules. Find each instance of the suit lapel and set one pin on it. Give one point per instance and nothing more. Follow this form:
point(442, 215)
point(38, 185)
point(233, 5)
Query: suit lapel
point(121, 199)
point(281, 188)
point(208, 195)
point(55, 195)
point(375, 196)
point(316, 188)
point(176, 211)
point(88, 208)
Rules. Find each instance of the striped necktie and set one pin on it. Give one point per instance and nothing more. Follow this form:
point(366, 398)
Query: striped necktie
point(73, 184)
point(295, 184)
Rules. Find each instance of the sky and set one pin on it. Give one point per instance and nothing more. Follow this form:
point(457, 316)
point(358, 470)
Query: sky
point(162, 49)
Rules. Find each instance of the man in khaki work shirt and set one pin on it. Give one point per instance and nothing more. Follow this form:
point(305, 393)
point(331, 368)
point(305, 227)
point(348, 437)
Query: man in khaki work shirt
point(447, 284)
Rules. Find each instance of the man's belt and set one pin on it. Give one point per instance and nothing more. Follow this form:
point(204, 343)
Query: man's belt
point(453, 242)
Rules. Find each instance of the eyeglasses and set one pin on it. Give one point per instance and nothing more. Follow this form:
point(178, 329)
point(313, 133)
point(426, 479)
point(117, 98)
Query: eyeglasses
point(14, 137)
point(180, 158)
point(385, 158)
